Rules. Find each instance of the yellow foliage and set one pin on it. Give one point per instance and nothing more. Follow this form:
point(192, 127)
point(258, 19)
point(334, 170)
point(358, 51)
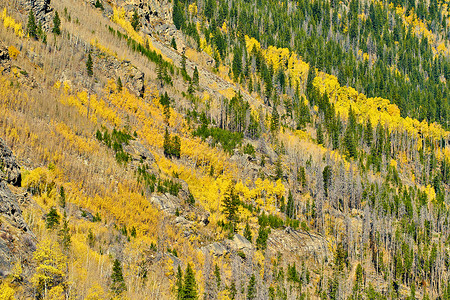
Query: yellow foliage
point(6, 292)
point(51, 265)
point(9, 22)
point(13, 52)
point(106, 50)
point(96, 293)
point(193, 9)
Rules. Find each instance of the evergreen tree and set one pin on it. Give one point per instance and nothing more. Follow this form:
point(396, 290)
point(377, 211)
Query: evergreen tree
point(251, 289)
point(31, 25)
point(179, 283)
point(261, 240)
point(173, 43)
point(319, 134)
point(189, 290)
point(56, 24)
point(118, 283)
point(52, 218)
point(290, 208)
point(275, 120)
point(326, 174)
point(368, 133)
point(167, 145)
point(98, 4)
point(237, 63)
point(135, 22)
point(119, 84)
point(278, 169)
point(195, 78)
point(62, 197)
point(248, 232)
point(177, 14)
point(64, 234)
point(230, 208)
point(89, 66)
point(176, 146)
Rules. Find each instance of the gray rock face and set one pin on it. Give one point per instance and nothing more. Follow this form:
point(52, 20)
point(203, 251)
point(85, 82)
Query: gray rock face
point(42, 10)
point(9, 169)
point(17, 242)
point(5, 60)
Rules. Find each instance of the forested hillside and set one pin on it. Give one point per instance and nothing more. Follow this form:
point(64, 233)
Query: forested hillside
point(224, 150)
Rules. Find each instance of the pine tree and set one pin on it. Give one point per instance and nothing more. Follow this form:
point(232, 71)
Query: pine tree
point(319, 134)
point(275, 120)
point(64, 234)
point(167, 145)
point(176, 146)
point(56, 24)
point(62, 197)
point(179, 283)
point(278, 169)
point(189, 290)
point(177, 14)
point(119, 84)
point(31, 25)
point(52, 218)
point(326, 174)
point(135, 23)
point(98, 4)
point(195, 78)
point(173, 43)
point(248, 232)
point(230, 208)
point(118, 283)
point(89, 66)
point(251, 289)
point(290, 209)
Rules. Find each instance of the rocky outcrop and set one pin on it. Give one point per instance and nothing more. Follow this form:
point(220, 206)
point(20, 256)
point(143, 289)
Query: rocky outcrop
point(16, 240)
point(9, 169)
point(42, 11)
point(5, 60)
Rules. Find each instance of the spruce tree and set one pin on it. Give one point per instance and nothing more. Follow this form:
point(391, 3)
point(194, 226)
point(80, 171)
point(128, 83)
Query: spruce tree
point(31, 25)
point(326, 174)
point(290, 209)
point(52, 218)
point(189, 290)
point(167, 145)
point(275, 120)
point(319, 134)
point(251, 289)
point(278, 169)
point(119, 84)
point(89, 66)
point(230, 208)
point(177, 14)
point(56, 24)
point(248, 232)
point(173, 43)
point(195, 78)
point(135, 23)
point(179, 283)
point(118, 283)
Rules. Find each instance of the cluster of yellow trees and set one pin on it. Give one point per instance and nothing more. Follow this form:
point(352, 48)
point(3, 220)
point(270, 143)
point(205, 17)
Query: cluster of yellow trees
point(9, 22)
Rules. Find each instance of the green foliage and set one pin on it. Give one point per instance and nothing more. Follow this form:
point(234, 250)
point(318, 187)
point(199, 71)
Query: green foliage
point(91, 238)
point(251, 288)
point(248, 232)
point(230, 208)
point(118, 285)
point(326, 175)
point(250, 150)
point(52, 219)
point(119, 84)
point(261, 240)
point(89, 66)
point(98, 4)
point(290, 206)
point(62, 197)
point(56, 24)
point(172, 145)
point(177, 14)
point(64, 234)
point(173, 43)
point(31, 25)
point(229, 140)
point(116, 140)
point(189, 290)
point(135, 22)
